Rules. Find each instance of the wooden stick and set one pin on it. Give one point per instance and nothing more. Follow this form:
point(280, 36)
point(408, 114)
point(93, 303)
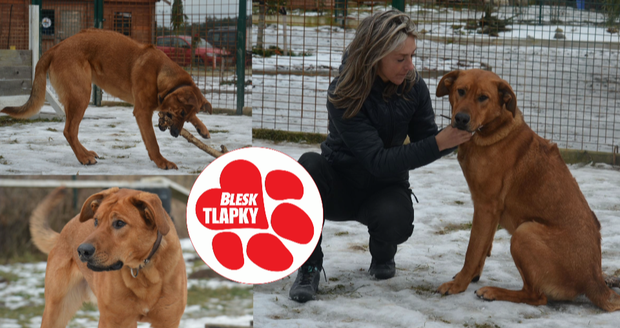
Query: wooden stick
point(166, 122)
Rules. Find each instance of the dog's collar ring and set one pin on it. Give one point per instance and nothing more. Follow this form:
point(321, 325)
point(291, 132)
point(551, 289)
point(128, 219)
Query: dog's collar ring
point(148, 259)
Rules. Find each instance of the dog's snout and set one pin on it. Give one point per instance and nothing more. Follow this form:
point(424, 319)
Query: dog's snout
point(461, 120)
point(86, 252)
point(174, 131)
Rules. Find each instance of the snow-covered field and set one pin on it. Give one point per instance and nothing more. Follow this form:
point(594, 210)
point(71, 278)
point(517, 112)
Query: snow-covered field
point(433, 255)
point(211, 300)
point(568, 89)
point(112, 132)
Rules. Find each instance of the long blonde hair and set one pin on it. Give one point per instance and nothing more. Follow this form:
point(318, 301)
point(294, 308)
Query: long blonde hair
point(376, 37)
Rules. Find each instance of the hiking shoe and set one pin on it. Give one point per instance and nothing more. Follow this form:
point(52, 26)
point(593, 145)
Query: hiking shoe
point(306, 284)
point(384, 270)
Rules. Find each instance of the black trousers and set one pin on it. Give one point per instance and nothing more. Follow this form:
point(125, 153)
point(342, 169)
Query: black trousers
point(386, 209)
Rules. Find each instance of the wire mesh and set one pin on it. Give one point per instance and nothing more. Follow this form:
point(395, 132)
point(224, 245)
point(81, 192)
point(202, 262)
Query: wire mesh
point(14, 24)
point(561, 58)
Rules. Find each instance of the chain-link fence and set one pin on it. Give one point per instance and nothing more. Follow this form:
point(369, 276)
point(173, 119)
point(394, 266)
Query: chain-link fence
point(561, 58)
point(14, 24)
point(199, 35)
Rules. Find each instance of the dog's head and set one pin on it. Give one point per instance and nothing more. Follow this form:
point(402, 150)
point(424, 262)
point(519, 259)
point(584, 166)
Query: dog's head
point(126, 224)
point(181, 105)
point(477, 97)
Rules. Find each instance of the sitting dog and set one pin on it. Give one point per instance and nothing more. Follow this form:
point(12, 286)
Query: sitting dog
point(518, 180)
point(121, 251)
point(137, 73)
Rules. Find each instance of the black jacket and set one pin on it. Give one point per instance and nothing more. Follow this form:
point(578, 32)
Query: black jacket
point(368, 148)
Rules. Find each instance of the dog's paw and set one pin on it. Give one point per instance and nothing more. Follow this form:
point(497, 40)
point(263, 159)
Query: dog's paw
point(450, 288)
point(205, 134)
point(486, 293)
point(239, 204)
point(89, 159)
point(165, 164)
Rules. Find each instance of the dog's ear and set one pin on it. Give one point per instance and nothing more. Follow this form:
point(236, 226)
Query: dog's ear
point(206, 107)
point(507, 96)
point(443, 88)
point(92, 204)
point(151, 209)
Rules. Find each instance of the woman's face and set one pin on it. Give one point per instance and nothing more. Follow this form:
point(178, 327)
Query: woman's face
point(395, 66)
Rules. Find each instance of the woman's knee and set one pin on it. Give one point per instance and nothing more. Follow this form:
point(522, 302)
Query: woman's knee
point(313, 162)
point(394, 228)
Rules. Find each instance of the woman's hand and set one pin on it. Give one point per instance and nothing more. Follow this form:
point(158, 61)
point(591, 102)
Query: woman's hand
point(451, 137)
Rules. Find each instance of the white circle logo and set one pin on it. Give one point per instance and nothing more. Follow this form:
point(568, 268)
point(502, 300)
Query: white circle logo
point(254, 215)
point(46, 22)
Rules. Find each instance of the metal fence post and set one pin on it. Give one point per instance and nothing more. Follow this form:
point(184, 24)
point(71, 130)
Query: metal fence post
point(98, 93)
point(340, 12)
point(241, 26)
point(399, 4)
point(40, 4)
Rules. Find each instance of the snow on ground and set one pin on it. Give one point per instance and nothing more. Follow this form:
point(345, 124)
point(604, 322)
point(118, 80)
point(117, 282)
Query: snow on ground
point(433, 254)
point(112, 132)
point(231, 303)
point(568, 90)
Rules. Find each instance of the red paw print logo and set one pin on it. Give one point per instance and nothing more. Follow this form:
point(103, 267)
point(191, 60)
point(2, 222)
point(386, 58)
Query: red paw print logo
point(254, 215)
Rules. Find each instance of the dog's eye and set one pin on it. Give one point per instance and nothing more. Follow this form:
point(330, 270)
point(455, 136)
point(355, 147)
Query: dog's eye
point(96, 222)
point(482, 98)
point(182, 113)
point(118, 224)
point(461, 92)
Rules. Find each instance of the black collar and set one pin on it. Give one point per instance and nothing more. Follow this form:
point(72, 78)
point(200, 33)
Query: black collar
point(148, 259)
point(161, 99)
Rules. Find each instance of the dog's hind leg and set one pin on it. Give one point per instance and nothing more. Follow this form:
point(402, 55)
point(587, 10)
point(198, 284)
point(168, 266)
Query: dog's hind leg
point(65, 290)
point(74, 87)
point(540, 266)
point(602, 296)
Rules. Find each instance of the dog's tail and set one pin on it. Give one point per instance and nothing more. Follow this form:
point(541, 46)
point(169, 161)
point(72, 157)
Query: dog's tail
point(37, 95)
point(42, 234)
point(603, 296)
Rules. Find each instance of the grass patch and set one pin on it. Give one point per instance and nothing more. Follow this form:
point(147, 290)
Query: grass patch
point(458, 202)
point(22, 314)
point(342, 233)
point(424, 289)
point(123, 146)
point(452, 227)
point(7, 120)
point(360, 248)
point(279, 136)
point(112, 125)
point(4, 161)
point(52, 130)
point(218, 131)
point(274, 50)
point(8, 277)
point(200, 296)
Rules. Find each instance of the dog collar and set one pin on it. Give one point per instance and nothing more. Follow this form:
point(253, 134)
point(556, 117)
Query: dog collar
point(161, 99)
point(148, 259)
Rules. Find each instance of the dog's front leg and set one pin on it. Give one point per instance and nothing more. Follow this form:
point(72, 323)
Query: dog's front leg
point(144, 119)
point(116, 320)
point(200, 127)
point(486, 218)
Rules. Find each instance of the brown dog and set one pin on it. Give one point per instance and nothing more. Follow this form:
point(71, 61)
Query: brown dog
point(518, 180)
point(121, 251)
point(137, 73)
